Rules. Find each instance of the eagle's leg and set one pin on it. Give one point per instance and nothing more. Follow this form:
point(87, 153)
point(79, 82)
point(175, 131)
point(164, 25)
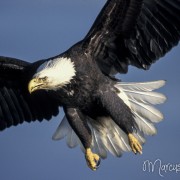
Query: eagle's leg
point(93, 160)
point(134, 143)
point(122, 116)
point(79, 124)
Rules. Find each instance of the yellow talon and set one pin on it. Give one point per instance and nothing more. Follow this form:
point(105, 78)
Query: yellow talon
point(134, 143)
point(93, 160)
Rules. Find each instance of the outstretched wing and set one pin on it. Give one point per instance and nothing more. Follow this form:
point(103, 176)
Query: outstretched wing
point(133, 32)
point(16, 104)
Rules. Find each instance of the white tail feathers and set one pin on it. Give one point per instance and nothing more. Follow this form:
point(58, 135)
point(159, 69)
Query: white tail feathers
point(142, 86)
point(65, 130)
point(107, 136)
point(140, 98)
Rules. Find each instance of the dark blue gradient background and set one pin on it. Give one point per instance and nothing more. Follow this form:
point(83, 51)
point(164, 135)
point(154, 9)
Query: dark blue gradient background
point(36, 29)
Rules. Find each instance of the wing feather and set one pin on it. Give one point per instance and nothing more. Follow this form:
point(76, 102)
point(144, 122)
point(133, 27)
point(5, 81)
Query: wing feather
point(16, 104)
point(133, 32)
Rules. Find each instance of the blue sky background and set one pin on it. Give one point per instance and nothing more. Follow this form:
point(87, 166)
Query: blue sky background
point(36, 29)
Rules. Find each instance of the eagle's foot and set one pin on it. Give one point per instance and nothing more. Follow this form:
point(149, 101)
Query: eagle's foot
point(93, 160)
point(135, 145)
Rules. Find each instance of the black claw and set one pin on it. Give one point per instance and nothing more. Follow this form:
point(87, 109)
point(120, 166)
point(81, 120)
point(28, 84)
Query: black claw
point(98, 163)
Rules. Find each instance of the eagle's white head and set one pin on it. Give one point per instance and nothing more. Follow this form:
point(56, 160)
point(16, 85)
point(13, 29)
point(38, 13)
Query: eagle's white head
point(53, 74)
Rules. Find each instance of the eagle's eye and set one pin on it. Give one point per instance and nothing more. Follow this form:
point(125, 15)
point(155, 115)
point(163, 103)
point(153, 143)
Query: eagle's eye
point(43, 79)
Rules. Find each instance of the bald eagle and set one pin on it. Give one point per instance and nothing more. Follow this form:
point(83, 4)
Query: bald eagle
point(102, 114)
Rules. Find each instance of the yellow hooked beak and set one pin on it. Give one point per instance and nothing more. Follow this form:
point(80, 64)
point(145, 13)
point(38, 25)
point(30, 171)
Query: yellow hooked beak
point(35, 84)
